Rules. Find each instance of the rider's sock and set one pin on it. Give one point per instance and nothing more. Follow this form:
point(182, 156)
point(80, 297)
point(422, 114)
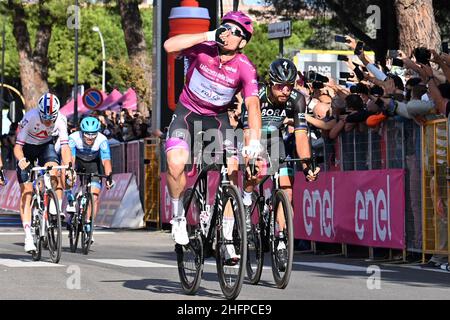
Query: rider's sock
point(247, 198)
point(27, 228)
point(228, 223)
point(60, 204)
point(175, 207)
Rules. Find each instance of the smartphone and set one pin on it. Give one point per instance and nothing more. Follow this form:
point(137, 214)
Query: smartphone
point(343, 83)
point(345, 75)
point(392, 54)
point(359, 47)
point(445, 47)
point(359, 74)
point(339, 38)
point(342, 57)
point(397, 62)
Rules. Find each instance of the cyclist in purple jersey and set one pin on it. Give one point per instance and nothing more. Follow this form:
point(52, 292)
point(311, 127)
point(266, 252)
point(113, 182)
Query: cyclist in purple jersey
point(217, 71)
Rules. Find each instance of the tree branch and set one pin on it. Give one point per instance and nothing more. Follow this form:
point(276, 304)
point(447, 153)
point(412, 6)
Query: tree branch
point(345, 17)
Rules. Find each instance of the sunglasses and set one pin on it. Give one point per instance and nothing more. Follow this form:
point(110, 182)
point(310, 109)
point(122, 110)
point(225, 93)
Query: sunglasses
point(47, 117)
point(281, 86)
point(234, 30)
point(90, 135)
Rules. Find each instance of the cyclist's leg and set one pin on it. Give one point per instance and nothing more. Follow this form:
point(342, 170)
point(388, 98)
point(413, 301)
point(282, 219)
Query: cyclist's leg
point(226, 141)
point(49, 157)
point(178, 148)
point(26, 191)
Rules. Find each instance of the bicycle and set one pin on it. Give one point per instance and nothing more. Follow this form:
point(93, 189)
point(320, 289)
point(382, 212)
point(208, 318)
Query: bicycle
point(79, 225)
point(264, 234)
point(206, 234)
point(45, 227)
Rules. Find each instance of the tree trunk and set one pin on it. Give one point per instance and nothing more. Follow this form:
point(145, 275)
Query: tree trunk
point(33, 65)
point(416, 25)
point(137, 49)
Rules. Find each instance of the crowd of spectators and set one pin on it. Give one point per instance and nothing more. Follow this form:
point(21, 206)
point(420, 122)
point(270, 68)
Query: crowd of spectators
point(122, 126)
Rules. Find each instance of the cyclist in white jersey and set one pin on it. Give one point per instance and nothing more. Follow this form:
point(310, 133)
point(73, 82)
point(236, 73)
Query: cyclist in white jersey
point(35, 142)
point(91, 154)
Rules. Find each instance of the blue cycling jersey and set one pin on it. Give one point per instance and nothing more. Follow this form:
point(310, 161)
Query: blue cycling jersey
point(100, 147)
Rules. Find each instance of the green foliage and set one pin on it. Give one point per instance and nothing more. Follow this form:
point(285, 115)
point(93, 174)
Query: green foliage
point(262, 51)
point(61, 51)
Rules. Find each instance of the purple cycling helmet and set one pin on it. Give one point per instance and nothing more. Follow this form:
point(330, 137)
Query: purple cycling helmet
point(241, 19)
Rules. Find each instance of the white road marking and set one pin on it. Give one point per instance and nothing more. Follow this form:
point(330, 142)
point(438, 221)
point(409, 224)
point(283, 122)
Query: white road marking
point(19, 263)
point(132, 263)
point(64, 233)
point(427, 269)
point(336, 266)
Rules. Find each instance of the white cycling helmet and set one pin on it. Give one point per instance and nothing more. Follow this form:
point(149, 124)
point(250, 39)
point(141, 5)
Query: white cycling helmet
point(48, 107)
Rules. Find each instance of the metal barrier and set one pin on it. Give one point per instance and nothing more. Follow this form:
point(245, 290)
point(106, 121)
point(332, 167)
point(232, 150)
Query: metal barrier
point(395, 145)
point(435, 191)
point(151, 180)
point(118, 157)
point(135, 162)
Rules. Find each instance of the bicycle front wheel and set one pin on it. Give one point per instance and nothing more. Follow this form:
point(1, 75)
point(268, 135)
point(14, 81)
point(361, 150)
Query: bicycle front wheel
point(190, 257)
point(255, 254)
point(88, 226)
point(54, 231)
point(282, 239)
point(231, 250)
point(36, 230)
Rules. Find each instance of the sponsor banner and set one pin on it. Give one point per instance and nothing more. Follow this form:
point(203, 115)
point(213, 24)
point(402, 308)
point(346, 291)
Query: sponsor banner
point(120, 207)
point(359, 207)
point(10, 194)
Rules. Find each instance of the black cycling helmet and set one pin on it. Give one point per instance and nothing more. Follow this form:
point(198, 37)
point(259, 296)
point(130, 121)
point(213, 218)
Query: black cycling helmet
point(282, 71)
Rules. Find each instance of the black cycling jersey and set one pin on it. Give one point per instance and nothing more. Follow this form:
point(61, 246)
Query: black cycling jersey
point(273, 115)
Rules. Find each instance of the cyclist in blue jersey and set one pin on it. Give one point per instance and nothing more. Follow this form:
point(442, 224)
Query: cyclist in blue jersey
point(91, 154)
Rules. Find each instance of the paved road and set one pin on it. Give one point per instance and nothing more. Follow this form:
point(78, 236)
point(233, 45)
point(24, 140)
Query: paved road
point(141, 265)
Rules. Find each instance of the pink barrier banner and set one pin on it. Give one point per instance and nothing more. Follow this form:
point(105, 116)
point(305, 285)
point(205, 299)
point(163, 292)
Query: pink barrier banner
point(354, 207)
point(10, 194)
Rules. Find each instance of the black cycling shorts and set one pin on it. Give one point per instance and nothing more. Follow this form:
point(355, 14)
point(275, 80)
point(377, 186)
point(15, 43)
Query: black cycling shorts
point(43, 153)
point(186, 124)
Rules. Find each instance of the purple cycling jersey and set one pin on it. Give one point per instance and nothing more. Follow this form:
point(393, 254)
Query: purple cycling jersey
point(210, 86)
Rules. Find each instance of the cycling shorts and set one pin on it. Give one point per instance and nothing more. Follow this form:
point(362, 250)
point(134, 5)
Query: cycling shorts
point(43, 153)
point(94, 166)
point(186, 124)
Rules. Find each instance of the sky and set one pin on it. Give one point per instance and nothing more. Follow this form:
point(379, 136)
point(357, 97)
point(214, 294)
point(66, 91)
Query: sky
point(252, 1)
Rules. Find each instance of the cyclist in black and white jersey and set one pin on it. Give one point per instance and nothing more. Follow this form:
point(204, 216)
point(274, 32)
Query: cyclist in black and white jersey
point(281, 105)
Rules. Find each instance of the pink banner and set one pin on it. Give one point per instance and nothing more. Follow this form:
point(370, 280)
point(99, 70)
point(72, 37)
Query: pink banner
point(354, 207)
point(10, 194)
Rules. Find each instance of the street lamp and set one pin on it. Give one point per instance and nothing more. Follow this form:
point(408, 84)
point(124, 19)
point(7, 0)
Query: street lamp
point(96, 29)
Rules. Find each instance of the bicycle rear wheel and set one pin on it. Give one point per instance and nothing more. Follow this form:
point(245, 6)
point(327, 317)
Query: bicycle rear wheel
point(88, 227)
point(282, 269)
point(190, 257)
point(36, 231)
point(232, 275)
point(74, 231)
point(255, 254)
point(54, 231)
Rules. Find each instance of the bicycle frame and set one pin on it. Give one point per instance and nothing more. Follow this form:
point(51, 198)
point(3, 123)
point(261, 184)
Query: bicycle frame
point(201, 188)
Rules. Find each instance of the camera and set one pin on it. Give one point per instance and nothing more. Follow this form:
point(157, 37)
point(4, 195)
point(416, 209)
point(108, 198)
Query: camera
point(312, 76)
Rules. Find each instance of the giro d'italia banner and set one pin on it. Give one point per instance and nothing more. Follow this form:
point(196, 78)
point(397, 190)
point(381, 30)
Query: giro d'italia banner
point(363, 207)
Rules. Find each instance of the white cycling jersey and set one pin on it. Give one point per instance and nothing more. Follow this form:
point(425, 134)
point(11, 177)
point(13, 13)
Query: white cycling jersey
point(33, 131)
point(100, 147)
